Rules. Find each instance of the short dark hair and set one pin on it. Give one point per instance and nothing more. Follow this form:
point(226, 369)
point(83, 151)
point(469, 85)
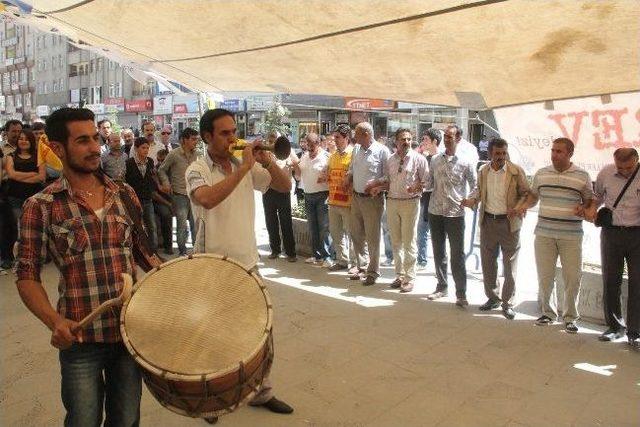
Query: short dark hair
point(56, 126)
point(497, 142)
point(139, 141)
point(458, 130)
point(100, 123)
point(162, 152)
point(33, 148)
point(37, 126)
point(147, 122)
point(567, 143)
point(625, 154)
point(434, 135)
point(188, 133)
point(12, 122)
point(210, 116)
point(401, 131)
point(343, 130)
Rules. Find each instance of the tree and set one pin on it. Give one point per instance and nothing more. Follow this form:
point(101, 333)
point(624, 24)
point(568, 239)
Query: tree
point(274, 120)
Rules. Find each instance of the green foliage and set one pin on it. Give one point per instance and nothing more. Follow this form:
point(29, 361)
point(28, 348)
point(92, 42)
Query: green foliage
point(299, 211)
point(275, 117)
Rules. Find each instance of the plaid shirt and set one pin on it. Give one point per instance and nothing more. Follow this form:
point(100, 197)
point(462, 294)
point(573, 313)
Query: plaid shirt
point(90, 254)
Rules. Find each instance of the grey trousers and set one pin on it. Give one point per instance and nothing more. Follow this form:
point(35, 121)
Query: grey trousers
point(366, 214)
point(618, 245)
point(495, 237)
point(547, 251)
point(452, 228)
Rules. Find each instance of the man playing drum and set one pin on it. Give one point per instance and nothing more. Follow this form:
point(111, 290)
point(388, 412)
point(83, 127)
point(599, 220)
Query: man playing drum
point(221, 188)
point(82, 223)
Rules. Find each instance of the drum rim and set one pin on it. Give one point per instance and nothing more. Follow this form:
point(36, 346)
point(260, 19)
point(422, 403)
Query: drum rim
point(162, 373)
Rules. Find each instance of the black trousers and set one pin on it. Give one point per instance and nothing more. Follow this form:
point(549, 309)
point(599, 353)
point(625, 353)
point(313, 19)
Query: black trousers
point(618, 245)
point(451, 228)
point(8, 231)
point(165, 225)
point(277, 214)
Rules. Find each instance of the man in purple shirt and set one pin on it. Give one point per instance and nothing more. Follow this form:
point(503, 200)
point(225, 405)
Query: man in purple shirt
point(620, 241)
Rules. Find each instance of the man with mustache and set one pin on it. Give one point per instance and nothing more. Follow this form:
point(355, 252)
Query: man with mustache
point(502, 188)
point(81, 222)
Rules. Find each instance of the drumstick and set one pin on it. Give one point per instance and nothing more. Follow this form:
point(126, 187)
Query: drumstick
point(113, 302)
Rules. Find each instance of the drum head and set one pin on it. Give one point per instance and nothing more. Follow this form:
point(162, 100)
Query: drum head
point(196, 316)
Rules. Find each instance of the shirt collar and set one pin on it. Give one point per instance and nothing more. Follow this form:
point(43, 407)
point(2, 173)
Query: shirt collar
point(62, 184)
point(211, 164)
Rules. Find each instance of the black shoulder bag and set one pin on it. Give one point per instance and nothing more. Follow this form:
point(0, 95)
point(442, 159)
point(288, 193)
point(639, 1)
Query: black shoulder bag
point(604, 218)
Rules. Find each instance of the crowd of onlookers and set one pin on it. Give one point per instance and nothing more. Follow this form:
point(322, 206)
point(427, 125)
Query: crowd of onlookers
point(358, 192)
point(151, 163)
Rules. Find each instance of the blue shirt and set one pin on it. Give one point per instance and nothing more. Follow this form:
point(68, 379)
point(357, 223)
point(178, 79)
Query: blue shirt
point(368, 165)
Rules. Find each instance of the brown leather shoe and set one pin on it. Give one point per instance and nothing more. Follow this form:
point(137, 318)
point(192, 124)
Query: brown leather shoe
point(370, 280)
point(275, 405)
point(396, 284)
point(406, 287)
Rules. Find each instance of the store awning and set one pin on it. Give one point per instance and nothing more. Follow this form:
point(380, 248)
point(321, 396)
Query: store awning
point(477, 54)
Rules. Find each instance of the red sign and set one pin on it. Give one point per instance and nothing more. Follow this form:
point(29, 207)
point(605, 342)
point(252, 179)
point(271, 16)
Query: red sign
point(369, 104)
point(180, 108)
point(138, 105)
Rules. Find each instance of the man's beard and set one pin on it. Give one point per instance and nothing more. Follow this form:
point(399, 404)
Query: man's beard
point(81, 169)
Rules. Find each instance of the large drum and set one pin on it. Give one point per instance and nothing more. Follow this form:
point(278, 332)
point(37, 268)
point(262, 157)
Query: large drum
point(200, 328)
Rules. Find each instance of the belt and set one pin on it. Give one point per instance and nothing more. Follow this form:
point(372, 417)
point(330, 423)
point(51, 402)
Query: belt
point(623, 227)
point(403, 198)
point(363, 194)
point(492, 216)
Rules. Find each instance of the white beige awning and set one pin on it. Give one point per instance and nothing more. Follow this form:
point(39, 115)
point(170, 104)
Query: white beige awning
point(479, 54)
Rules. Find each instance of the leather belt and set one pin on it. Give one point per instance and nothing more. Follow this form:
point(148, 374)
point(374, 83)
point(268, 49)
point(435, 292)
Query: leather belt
point(492, 216)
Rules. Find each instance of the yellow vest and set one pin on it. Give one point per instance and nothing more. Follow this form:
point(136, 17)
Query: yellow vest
point(338, 168)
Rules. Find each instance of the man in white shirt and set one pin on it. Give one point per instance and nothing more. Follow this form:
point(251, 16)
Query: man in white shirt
point(312, 171)
point(221, 191)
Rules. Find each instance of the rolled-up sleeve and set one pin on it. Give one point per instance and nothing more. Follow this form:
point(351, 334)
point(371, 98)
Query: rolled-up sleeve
point(32, 250)
point(194, 180)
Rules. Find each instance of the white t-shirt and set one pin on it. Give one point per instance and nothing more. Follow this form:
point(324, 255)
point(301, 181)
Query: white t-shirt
point(154, 148)
point(468, 151)
point(312, 169)
point(229, 228)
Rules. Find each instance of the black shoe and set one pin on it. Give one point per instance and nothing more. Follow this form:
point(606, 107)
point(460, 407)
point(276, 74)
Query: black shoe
point(274, 255)
point(544, 320)
point(292, 258)
point(211, 420)
point(611, 334)
point(509, 313)
point(489, 305)
point(369, 281)
point(571, 328)
point(275, 405)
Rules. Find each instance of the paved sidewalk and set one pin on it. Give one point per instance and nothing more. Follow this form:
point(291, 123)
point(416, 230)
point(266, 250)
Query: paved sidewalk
point(348, 355)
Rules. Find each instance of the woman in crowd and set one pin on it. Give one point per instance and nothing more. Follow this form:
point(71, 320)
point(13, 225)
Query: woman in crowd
point(25, 176)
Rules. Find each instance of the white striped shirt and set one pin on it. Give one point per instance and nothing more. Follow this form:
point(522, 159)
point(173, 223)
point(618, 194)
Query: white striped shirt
point(560, 193)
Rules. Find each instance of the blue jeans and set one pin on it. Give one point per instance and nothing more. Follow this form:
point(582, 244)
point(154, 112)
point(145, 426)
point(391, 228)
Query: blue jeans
point(318, 217)
point(388, 248)
point(149, 218)
point(97, 375)
point(423, 227)
point(182, 207)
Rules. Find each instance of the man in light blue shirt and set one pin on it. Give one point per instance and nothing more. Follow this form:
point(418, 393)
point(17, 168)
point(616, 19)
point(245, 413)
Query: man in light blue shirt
point(366, 171)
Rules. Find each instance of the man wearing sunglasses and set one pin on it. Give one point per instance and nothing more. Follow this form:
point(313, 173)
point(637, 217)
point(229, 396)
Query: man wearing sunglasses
point(163, 144)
